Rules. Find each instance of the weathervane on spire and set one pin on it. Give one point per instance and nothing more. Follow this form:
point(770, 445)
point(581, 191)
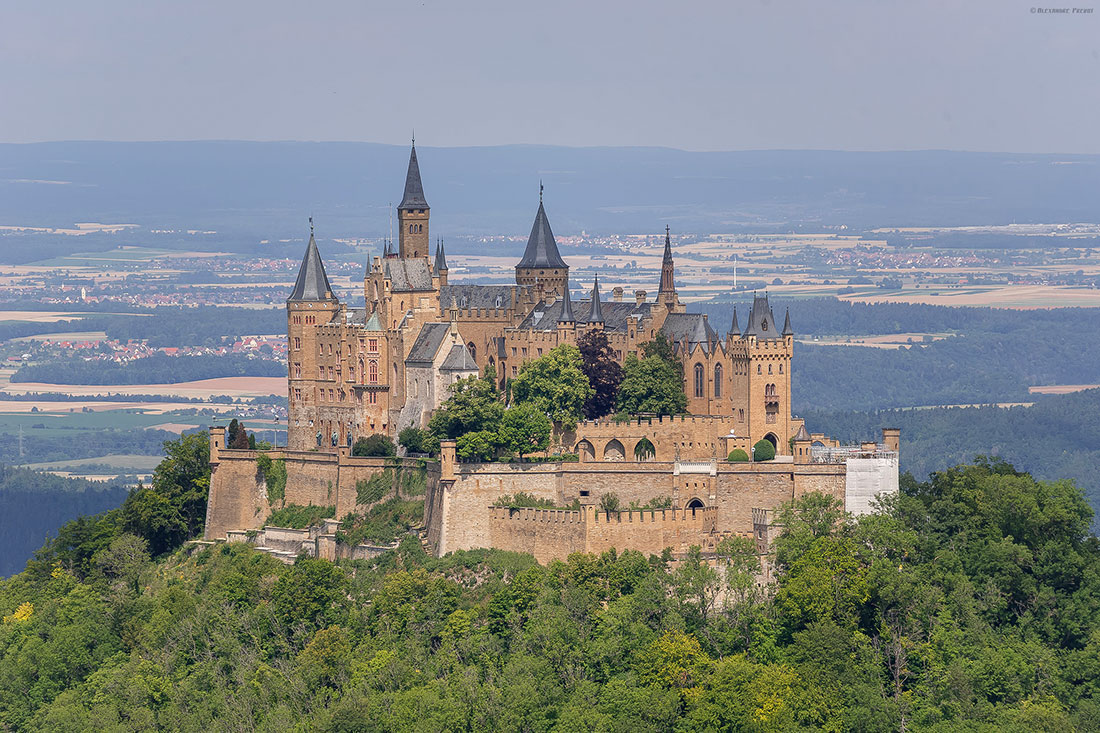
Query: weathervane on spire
point(414, 137)
point(311, 225)
point(666, 230)
point(540, 190)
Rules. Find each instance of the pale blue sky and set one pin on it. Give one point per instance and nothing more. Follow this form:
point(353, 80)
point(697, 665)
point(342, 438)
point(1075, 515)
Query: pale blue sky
point(854, 75)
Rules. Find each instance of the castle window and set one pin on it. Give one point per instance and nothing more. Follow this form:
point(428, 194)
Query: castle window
point(769, 368)
point(297, 371)
point(699, 388)
point(758, 368)
point(525, 351)
point(781, 367)
point(717, 380)
point(297, 343)
point(320, 372)
point(741, 415)
point(514, 371)
point(362, 373)
point(410, 228)
point(372, 345)
point(297, 394)
point(540, 352)
point(373, 397)
point(373, 371)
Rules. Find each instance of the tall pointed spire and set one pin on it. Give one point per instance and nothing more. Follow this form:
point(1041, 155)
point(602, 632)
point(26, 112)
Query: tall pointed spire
point(312, 282)
point(735, 330)
point(542, 250)
point(414, 188)
point(787, 330)
point(566, 306)
point(596, 314)
point(668, 284)
point(440, 257)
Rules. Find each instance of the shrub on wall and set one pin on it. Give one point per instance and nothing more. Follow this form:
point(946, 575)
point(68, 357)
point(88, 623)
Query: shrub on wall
point(738, 456)
point(414, 440)
point(374, 445)
point(763, 450)
point(274, 473)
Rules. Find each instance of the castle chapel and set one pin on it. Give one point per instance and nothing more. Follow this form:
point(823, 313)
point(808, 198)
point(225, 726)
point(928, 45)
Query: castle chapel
point(380, 369)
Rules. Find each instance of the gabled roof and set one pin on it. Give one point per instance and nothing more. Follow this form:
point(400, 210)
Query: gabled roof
point(440, 258)
point(312, 282)
point(542, 250)
point(690, 327)
point(459, 360)
point(407, 274)
point(595, 313)
point(476, 296)
point(761, 321)
point(427, 343)
point(414, 189)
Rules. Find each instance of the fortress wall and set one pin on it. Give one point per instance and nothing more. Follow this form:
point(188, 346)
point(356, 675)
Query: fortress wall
point(630, 481)
point(311, 478)
point(547, 534)
point(238, 494)
point(741, 487)
point(650, 532)
point(696, 437)
point(463, 519)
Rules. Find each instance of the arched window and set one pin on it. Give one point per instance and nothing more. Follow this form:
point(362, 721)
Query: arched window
point(410, 228)
point(780, 367)
point(473, 350)
point(699, 380)
point(644, 450)
point(373, 374)
point(758, 369)
point(362, 373)
point(717, 380)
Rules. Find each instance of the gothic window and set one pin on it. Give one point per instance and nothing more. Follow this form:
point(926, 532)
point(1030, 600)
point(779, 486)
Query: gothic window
point(320, 372)
point(769, 368)
point(473, 350)
point(297, 371)
point(297, 343)
point(699, 388)
point(758, 368)
point(780, 367)
point(410, 228)
point(717, 380)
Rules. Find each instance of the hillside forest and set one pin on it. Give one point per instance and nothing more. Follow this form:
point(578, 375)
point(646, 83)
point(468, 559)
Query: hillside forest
point(970, 602)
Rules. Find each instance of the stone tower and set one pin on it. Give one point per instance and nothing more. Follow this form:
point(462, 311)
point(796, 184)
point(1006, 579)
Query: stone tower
point(767, 360)
point(310, 306)
point(666, 293)
point(413, 213)
point(542, 267)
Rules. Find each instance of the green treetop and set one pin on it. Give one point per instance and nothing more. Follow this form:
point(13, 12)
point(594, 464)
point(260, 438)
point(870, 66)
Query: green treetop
point(651, 384)
point(556, 385)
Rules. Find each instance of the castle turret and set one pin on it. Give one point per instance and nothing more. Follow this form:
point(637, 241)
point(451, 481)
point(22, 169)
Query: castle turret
point(413, 213)
point(542, 267)
point(310, 306)
point(595, 315)
point(440, 267)
point(566, 307)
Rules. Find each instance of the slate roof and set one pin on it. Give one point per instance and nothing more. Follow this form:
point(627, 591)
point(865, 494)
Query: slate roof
point(440, 258)
point(734, 328)
point(459, 360)
point(407, 274)
point(787, 330)
point(414, 189)
point(477, 296)
point(312, 282)
point(692, 327)
point(566, 306)
point(595, 313)
point(615, 314)
point(761, 320)
point(802, 433)
point(427, 343)
point(542, 250)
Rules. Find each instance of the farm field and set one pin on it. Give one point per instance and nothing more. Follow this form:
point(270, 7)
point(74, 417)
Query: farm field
point(1061, 388)
point(203, 388)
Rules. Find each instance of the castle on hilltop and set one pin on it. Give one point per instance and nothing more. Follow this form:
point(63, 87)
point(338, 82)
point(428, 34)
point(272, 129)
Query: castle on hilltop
point(356, 372)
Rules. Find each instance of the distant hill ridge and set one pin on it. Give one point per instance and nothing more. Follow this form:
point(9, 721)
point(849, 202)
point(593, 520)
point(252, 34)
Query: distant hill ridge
point(268, 188)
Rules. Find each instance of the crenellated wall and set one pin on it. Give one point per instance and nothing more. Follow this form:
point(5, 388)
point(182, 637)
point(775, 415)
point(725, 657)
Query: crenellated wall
point(239, 497)
point(553, 534)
